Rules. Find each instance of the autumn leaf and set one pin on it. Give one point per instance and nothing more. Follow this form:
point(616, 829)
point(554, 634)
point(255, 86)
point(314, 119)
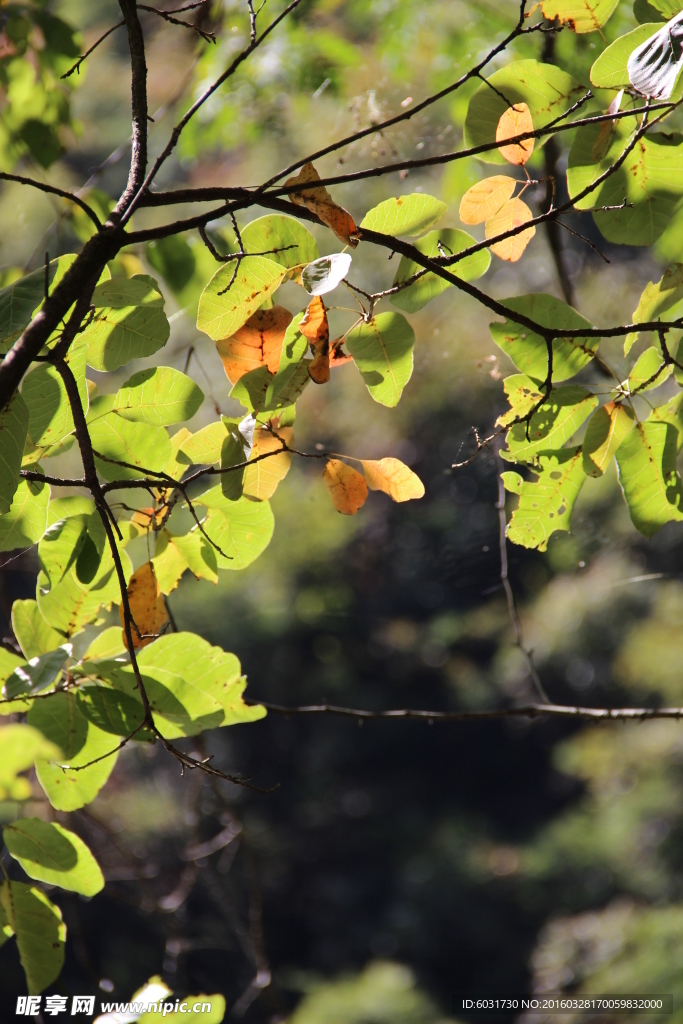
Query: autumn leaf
point(511, 215)
point(515, 121)
point(257, 343)
point(146, 607)
point(314, 326)
point(485, 199)
point(261, 478)
point(147, 518)
point(319, 201)
point(346, 486)
point(337, 354)
point(394, 478)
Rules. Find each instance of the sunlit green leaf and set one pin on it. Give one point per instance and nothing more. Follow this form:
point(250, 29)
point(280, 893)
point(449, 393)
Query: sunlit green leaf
point(528, 350)
point(39, 930)
point(20, 745)
point(649, 371)
point(443, 242)
point(13, 430)
point(240, 529)
point(646, 462)
point(129, 322)
point(37, 674)
point(580, 15)
point(142, 445)
point(53, 854)
point(60, 546)
point(551, 426)
point(50, 418)
point(26, 520)
point(382, 350)
point(605, 432)
point(34, 634)
point(657, 297)
point(609, 70)
point(159, 395)
point(406, 215)
point(71, 605)
point(294, 243)
point(220, 315)
point(546, 503)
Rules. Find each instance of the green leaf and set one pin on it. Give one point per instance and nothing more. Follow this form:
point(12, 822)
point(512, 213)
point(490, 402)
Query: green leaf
point(69, 606)
point(169, 564)
point(609, 70)
point(287, 386)
point(528, 350)
point(241, 529)
point(60, 720)
point(39, 930)
point(13, 431)
point(649, 371)
point(522, 393)
point(20, 745)
point(19, 301)
point(670, 412)
point(546, 90)
point(220, 315)
point(427, 287)
point(649, 179)
point(175, 554)
point(50, 853)
point(26, 520)
point(644, 12)
point(173, 259)
point(73, 505)
point(382, 350)
point(129, 322)
point(34, 634)
point(113, 711)
point(551, 426)
point(139, 444)
point(657, 298)
point(545, 504)
point(580, 15)
point(406, 215)
point(604, 434)
point(191, 685)
point(646, 462)
point(108, 644)
point(198, 554)
point(294, 344)
point(159, 395)
point(38, 674)
point(60, 546)
point(213, 1016)
point(251, 389)
point(50, 418)
point(295, 243)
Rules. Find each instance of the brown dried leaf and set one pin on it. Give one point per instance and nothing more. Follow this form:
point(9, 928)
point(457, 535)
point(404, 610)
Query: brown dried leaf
point(147, 518)
point(257, 343)
point(394, 478)
point(319, 201)
point(314, 326)
point(515, 121)
point(346, 486)
point(511, 215)
point(146, 606)
point(485, 199)
point(337, 354)
point(261, 478)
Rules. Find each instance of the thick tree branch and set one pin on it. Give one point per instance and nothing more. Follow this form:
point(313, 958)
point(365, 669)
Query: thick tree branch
point(138, 66)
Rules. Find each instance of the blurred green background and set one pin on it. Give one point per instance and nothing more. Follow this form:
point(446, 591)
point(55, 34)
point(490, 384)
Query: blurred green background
point(398, 864)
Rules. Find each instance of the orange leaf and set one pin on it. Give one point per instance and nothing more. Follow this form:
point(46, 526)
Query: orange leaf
point(261, 478)
point(314, 326)
point(511, 215)
point(337, 354)
point(394, 478)
point(319, 201)
point(146, 518)
point(515, 121)
point(346, 486)
point(485, 198)
point(257, 343)
point(146, 606)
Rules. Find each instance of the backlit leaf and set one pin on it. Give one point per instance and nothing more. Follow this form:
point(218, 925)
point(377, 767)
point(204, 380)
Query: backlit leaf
point(657, 298)
point(39, 930)
point(129, 322)
point(261, 478)
point(545, 504)
point(50, 853)
point(485, 198)
point(516, 120)
point(241, 529)
point(20, 745)
point(606, 430)
point(407, 215)
point(345, 485)
point(382, 349)
point(159, 395)
point(394, 478)
point(69, 606)
point(60, 546)
point(523, 394)
point(580, 15)
point(257, 343)
point(225, 307)
point(512, 214)
point(34, 634)
point(324, 274)
point(39, 673)
point(147, 607)
point(293, 242)
point(204, 447)
point(610, 70)
point(315, 329)
point(646, 462)
point(438, 243)
point(551, 426)
point(649, 371)
point(13, 431)
point(26, 520)
point(43, 390)
point(319, 201)
point(142, 445)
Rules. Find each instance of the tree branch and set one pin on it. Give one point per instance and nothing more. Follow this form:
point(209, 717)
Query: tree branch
point(53, 190)
point(138, 162)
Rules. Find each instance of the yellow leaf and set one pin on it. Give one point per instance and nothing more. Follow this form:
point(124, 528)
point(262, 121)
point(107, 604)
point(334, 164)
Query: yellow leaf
point(394, 478)
point(257, 343)
point(146, 606)
point(346, 486)
point(515, 121)
point(319, 201)
point(147, 518)
point(261, 478)
point(485, 198)
point(511, 215)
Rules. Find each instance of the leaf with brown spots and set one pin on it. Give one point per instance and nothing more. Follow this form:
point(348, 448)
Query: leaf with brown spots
point(319, 201)
point(315, 328)
point(261, 478)
point(513, 214)
point(346, 487)
point(394, 478)
point(146, 607)
point(257, 343)
point(337, 354)
point(515, 121)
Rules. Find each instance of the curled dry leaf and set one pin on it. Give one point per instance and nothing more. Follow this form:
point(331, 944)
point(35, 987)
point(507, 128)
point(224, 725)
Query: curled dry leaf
point(511, 215)
point(515, 121)
point(319, 201)
point(337, 354)
point(257, 343)
point(261, 478)
point(394, 478)
point(346, 487)
point(146, 606)
point(315, 328)
point(485, 199)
